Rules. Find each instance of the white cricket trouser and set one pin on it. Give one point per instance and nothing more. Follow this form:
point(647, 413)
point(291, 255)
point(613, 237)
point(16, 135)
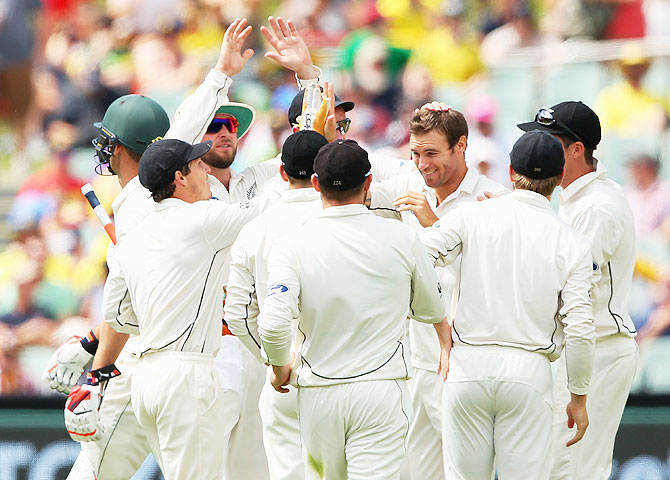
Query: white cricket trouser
point(242, 436)
point(424, 441)
point(179, 405)
point(613, 373)
point(354, 430)
point(111, 457)
point(497, 414)
point(281, 432)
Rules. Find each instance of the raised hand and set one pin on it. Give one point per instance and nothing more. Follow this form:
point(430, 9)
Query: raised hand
point(231, 58)
point(289, 49)
point(330, 126)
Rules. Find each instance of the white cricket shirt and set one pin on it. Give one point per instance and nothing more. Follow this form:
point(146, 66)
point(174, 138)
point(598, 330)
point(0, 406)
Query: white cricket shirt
point(353, 279)
point(172, 265)
point(525, 279)
point(247, 282)
point(424, 343)
point(596, 207)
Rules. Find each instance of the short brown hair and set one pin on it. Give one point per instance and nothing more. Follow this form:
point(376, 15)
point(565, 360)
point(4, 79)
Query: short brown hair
point(339, 195)
point(544, 187)
point(168, 190)
point(451, 124)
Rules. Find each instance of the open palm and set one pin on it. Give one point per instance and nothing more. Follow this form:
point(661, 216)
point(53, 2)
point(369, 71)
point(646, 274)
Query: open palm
point(290, 50)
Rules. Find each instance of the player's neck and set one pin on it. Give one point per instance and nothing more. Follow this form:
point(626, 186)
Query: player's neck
point(577, 171)
point(451, 185)
point(222, 175)
point(127, 171)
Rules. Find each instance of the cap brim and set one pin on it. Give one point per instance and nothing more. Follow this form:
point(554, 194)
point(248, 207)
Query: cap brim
point(245, 115)
point(528, 126)
point(199, 149)
point(346, 105)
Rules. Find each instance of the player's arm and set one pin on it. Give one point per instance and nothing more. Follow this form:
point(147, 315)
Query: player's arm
point(444, 240)
point(380, 198)
point(604, 234)
point(443, 330)
point(196, 112)
point(279, 308)
point(577, 318)
point(241, 309)
point(427, 304)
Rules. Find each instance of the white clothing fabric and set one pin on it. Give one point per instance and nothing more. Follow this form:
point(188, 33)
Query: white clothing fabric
point(614, 369)
point(597, 208)
point(180, 413)
point(424, 445)
point(171, 265)
point(424, 344)
point(524, 282)
point(353, 320)
point(354, 430)
point(497, 414)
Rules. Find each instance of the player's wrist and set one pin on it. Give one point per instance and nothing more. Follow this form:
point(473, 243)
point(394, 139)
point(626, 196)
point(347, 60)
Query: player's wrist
point(90, 343)
point(102, 374)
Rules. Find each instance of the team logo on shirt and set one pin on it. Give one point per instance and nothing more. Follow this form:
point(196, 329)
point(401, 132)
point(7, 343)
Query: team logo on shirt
point(275, 289)
point(595, 266)
point(245, 204)
point(439, 288)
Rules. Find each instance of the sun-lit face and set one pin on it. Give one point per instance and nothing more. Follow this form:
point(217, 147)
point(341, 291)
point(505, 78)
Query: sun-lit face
point(224, 146)
point(198, 186)
point(433, 158)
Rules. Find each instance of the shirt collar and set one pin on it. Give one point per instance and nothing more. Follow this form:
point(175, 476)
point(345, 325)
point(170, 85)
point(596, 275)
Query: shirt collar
point(169, 203)
point(299, 195)
point(532, 198)
point(133, 185)
point(345, 210)
point(583, 181)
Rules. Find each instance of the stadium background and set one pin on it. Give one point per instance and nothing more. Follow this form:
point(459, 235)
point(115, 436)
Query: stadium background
point(63, 61)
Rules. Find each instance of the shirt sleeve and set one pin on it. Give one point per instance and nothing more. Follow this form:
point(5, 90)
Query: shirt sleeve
point(577, 318)
point(382, 195)
point(196, 112)
point(444, 240)
point(241, 309)
point(384, 167)
point(426, 303)
point(280, 306)
point(117, 308)
point(223, 222)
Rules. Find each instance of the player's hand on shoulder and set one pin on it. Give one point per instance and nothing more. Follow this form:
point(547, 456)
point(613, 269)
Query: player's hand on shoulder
point(81, 413)
point(66, 365)
point(416, 203)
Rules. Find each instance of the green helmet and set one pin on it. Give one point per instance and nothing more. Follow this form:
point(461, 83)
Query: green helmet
point(135, 121)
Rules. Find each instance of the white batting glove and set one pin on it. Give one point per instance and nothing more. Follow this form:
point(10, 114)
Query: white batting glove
point(81, 413)
point(66, 365)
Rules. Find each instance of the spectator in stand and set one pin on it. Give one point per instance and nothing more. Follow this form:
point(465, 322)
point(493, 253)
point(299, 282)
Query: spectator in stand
point(626, 108)
point(649, 198)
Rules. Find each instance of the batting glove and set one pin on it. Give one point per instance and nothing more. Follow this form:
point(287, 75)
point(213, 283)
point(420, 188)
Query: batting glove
point(66, 365)
point(81, 413)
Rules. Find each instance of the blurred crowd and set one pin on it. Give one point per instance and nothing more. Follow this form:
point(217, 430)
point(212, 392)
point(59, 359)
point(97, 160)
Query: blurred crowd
point(62, 62)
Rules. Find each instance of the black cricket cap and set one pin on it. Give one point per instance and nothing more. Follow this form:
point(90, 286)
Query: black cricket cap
point(295, 110)
point(537, 155)
point(342, 165)
point(574, 119)
point(162, 158)
point(299, 151)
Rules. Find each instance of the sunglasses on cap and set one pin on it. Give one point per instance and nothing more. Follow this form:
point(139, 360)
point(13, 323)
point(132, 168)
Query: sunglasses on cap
point(230, 123)
point(545, 116)
point(343, 125)
point(104, 144)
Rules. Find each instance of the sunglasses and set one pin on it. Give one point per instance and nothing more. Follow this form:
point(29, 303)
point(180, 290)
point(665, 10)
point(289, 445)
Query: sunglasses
point(104, 144)
point(230, 123)
point(545, 116)
point(343, 125)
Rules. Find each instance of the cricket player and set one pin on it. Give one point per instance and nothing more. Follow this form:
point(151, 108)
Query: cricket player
point(352, 279)
point(439, 183)
point(596, 207)
point(130, 124)
point(247, 286)
point(525, 279)
point(171, 267)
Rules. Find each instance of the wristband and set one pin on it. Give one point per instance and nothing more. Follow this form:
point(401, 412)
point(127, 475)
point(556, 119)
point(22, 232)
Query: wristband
point(90, 343)
point(102, 374)
point(303, 82)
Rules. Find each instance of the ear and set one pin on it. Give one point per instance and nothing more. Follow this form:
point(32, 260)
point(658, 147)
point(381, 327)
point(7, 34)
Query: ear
point(315, 182)
point(282, 173)
point(511, 173)
point(578, 149)
point(366, 184)
point(462, 143)
point(179, 178)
